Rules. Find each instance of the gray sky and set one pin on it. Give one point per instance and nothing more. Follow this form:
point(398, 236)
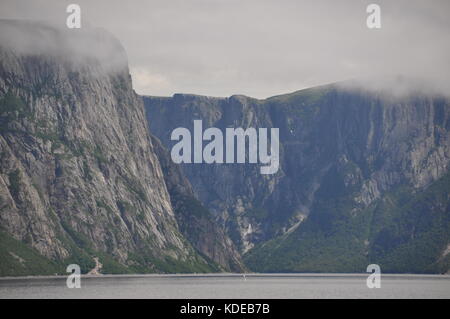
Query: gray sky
point(262, 48)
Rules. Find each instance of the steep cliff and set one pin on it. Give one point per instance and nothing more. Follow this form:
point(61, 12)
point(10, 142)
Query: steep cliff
point(343, 153)
point(196, 223)
point(79, 176)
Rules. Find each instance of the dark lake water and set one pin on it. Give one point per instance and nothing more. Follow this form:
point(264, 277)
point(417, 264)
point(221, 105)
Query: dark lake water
point(229, 286)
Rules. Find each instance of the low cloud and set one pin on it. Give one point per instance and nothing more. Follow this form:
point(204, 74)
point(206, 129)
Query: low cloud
point(265, 47)
point(79, 47)
point(145, 81)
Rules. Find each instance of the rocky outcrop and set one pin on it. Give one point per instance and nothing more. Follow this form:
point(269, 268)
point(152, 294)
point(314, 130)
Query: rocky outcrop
point(79, 176)
point(195, 221)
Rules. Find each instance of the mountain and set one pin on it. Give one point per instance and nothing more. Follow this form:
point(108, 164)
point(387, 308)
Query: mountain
point(80, 175)
point(86, 172)
point(363, 178)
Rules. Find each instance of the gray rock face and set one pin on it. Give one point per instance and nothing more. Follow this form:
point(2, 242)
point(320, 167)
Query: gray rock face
point(354, 143)
point(79, 176)
point(195, 221)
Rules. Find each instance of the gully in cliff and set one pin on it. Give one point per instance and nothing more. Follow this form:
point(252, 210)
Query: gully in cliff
point(214, 150)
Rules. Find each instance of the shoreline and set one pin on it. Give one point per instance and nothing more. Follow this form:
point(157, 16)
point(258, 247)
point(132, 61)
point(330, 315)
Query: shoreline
point(227, 275)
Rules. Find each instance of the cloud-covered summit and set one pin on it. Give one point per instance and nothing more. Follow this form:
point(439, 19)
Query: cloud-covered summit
point(263, 47)
point(92, 46)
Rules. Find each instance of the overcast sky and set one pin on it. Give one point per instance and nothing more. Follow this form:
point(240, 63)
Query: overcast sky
point(262, 48)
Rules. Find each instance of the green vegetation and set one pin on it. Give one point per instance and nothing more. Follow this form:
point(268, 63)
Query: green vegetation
point(190, 206)
point(14, 183)
point(148, 263)
point(18, 259)
point(134, 186)
point(415, 230)
point(258, 213)
point(98, 154)
point(404, 231)
point(12, 108)
point(194, 221)
point(119, 83)
point(79, 248)
point(111, 266)
point(303, 104)
point(308, 96)
point(102, 204)
point(125, 207)
point(233, 231)
point(87, 174)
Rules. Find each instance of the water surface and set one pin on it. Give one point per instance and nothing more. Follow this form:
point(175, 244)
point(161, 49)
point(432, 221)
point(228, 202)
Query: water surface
point(229, 286)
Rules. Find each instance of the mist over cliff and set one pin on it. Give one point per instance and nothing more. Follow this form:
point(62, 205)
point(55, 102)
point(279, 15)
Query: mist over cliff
point(80, 177)
point(363, 177)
